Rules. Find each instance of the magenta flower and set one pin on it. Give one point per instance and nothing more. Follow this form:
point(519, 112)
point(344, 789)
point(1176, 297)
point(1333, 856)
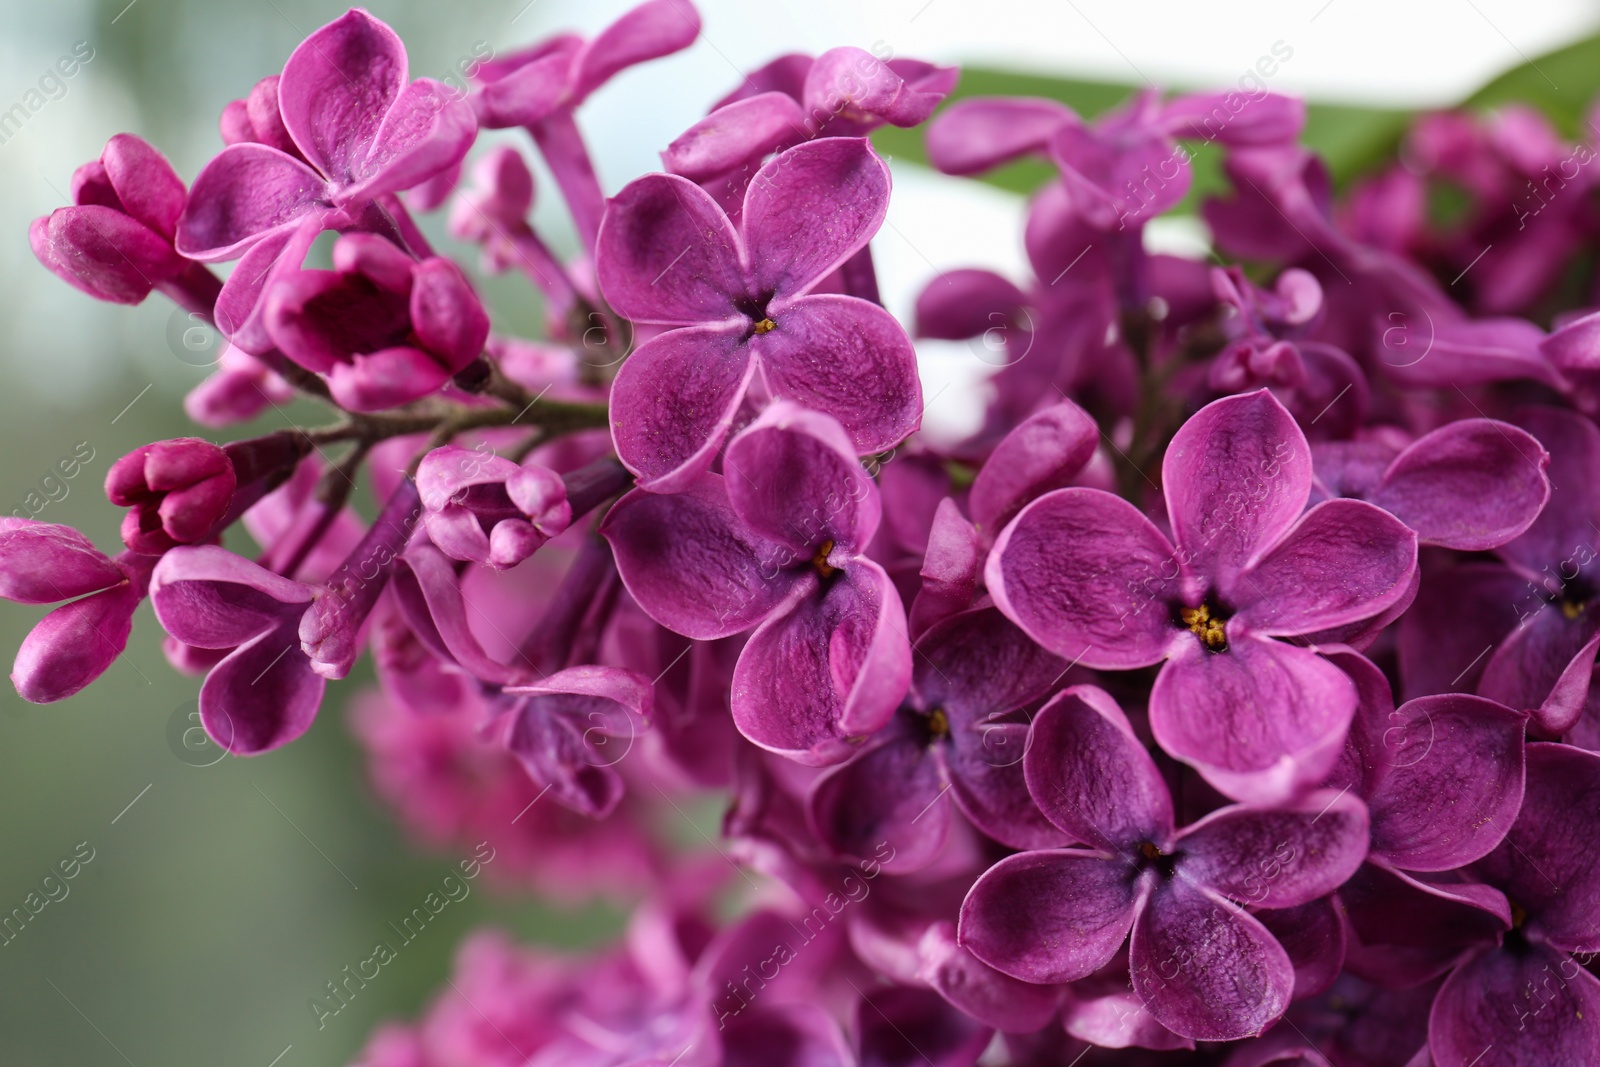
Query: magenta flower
point(177, 491)
point(361, 131)
point(263, 692)
point(281, 638)
point(777, 544)
point(741, 306)
point(1528, 998)
point(116, 242)
point(1203, 966)
point(384, 328)
point(42, 563)
point(1094, 581)
point(844, 92)
point(541, 87)
point(484, 508)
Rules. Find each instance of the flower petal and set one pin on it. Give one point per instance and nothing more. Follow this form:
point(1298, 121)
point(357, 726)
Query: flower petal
point(666, 253)
point(41, 563)
point(1280, 858)
point(847, 358)
point(1086, 575)
point(1344, 561)
point(1050, 916)
point(653, 29)
point(337, 88)
point(1045, 452)
point(889, 792)
point(263, 694)
point(1469, 485)
point(206, 596)
point(730, 135)
point(1091, 777)
point(975, 135)
point(1206, 969)
point(1449, 781)
point(1313, 935)
point(692, 565)
point(832, 667)
point(425, 133)
point(810, 209)
point(793, 478)
point(1534, 1009)
point(673, 401)
point(245, 193)
point(1549, 863)
point(74, 644)
point(1237, 475)
point(993, 998)
point(1259, 721)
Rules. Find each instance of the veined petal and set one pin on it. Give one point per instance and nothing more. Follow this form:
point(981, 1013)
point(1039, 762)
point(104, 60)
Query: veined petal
point(1091, 777)
point(1534, 1009)
point(1237, 475)
point(1086, 575)
point(337, 88)
point(848, 358)
point(1344, 561)
point(1205, 968)
point(247, 192)
point(667, 253)
point(206, 596)
point(810, 209)
point(673, 401)
point(832, 667)
point(1261, 721)
point(1470, 485)
point(1050, 916)
point(691, 563)
point(1277, 858)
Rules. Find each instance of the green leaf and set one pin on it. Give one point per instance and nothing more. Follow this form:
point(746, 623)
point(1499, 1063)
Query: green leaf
point(1561, 84)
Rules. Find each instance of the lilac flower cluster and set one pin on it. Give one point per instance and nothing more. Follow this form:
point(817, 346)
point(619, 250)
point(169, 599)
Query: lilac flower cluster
point(1146, 626)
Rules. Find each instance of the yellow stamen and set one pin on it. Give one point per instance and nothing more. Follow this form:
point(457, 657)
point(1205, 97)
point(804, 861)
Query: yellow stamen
point(766, 326)
point(938, 723)
point(1571, 609)
point(1210, 631)
point(1150, 851)
point(820, 560)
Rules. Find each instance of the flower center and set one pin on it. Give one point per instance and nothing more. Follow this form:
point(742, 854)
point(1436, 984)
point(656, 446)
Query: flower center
point(1155, 858)
point(765, 326)
point(938, 723)
point(1205, 625)
point(820, 560)
point(1571, 609)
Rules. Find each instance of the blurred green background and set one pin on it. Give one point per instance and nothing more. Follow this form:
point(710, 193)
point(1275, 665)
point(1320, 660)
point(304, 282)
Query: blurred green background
point(226, 895)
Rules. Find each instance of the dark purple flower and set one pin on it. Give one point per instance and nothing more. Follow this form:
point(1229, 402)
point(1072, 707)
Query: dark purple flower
point(1528, 998)
point(361, 130)
point(955, 733)
point(1522, 631)
point(1094, 581)
point(741, 303)
point(571, 728)
point(1203, 966)
point(1472, 485)
point(384, 328)
point(777, 544)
